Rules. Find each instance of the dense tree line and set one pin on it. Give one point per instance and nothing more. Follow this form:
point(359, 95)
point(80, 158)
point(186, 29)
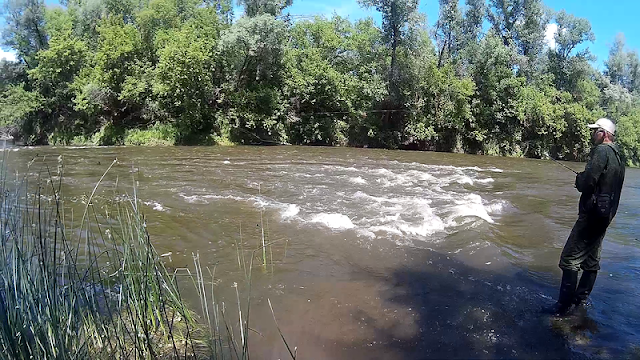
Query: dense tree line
point(190, 72)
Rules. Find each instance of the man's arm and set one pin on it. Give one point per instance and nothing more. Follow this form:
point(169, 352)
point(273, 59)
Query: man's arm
point(587, 180)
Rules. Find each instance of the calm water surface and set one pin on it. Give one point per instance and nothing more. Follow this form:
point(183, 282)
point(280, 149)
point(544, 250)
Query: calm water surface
point(380, 254)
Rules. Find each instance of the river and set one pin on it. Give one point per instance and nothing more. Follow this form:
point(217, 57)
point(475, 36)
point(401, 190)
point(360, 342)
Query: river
point(379, 254)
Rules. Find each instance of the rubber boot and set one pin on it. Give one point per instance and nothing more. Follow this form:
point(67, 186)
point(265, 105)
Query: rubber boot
point(587, 280)
point(567, 294)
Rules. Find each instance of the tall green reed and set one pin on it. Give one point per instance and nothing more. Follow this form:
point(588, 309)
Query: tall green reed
point(95, 291)
point(97, 288)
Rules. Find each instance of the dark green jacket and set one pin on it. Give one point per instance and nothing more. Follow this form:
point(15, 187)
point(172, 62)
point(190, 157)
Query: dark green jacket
point(603, 175)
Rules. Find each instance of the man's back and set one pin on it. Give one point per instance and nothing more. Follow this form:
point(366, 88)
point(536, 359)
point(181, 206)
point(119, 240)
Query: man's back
point(603, 175)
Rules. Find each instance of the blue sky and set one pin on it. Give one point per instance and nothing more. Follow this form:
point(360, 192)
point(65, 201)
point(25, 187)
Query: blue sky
point(607, 18)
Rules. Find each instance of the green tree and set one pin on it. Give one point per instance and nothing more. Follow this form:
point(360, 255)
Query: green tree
point(25, 28)
point(623, 66)
point(474, 15)
point(441, 116)
point(11, 73)
point(19, 110)
point(498, 90)
point(250, 71)
point(568, 65)
point(449, 35)
point(332, 68)
point(184, 78)
point(259, 7)
point(57, 68)
point(520, 23)
point(365, 57)
point(628, 135)
point(472, 22)
point(318, 90)
point(109, 89)
point(398, 21)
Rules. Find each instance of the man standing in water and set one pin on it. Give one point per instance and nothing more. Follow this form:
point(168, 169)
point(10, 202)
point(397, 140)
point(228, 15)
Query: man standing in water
point(600, 184)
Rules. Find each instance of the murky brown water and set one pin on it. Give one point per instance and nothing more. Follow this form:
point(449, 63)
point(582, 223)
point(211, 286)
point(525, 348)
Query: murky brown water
point(381, 254)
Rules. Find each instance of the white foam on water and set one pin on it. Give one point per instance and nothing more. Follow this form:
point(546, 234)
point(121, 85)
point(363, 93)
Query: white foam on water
point(470, 205)
point(155, 206)
point(390, 218)
point(365, 233)
point(333, 221)
point(451, 167)
point(287, 211)
point(194, 199)
point(496, 207)
point(421, 175)
point(361, 195)
point(384, 172)
point(475, 168)
point(463, 179)
point(401, 202)
point(428, 227)
point(385, 228)
point(484, 181)
point(204, 199)
point(473, 210)
point(340, 168)
point(290, 211)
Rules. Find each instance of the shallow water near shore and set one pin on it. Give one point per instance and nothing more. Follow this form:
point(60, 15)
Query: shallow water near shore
point(375, 253)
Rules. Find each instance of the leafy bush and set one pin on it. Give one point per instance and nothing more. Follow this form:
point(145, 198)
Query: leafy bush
point(109, 135)
point(157, 134)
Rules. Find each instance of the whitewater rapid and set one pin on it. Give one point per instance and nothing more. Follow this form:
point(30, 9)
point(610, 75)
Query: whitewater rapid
point(392, 199)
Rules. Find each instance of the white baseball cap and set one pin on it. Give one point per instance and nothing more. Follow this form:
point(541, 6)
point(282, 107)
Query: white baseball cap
point(605, 124)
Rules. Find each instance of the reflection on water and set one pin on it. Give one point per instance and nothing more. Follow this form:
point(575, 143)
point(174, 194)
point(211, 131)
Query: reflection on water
point(388, 254)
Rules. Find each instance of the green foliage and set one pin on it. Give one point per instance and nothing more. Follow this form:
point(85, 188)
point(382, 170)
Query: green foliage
point(25, 28)
point(18, 111)
point(399, 22)
point(541, 114)
point(11, 73)
point(323, 87)
point(57, 68)
point(259, 7)
point(628, 135)
point(157, 134)
point(449, 31)
point(623, 66)
point(441, 109)
point(252, 70)
point(183, 81)
point(109, 135)
point(100, 71)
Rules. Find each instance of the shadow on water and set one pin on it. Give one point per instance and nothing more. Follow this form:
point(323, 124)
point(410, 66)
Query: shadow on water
point(466, 313)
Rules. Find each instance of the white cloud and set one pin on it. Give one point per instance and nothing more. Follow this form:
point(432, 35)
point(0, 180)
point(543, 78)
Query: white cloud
point(549, 35)
point(7, 55)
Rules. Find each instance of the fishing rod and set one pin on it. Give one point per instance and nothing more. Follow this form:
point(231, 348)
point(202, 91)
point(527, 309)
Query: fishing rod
point(563, 165)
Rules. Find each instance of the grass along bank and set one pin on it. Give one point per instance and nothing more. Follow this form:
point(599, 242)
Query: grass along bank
point(157, 134)
point(91, 285)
